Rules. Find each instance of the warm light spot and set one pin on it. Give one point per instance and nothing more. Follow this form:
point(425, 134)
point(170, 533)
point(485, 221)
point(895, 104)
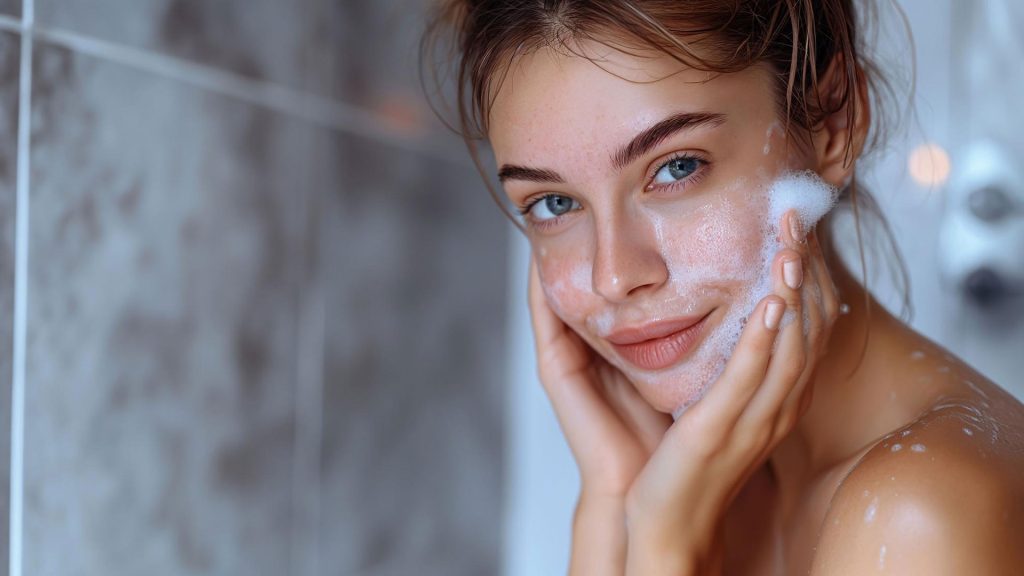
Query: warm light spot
point(402, 114)
point(929, 165)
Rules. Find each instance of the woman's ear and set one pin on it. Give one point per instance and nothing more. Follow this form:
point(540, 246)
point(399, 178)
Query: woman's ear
point(839, 138)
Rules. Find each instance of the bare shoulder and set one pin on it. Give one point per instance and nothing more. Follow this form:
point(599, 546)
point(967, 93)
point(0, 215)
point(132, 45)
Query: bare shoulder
point(942, 495)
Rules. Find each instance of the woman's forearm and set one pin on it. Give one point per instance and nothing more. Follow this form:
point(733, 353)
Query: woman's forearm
point(598, 537)
point(653, 554)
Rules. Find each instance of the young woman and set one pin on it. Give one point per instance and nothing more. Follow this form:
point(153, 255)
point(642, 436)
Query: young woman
point(814, 433)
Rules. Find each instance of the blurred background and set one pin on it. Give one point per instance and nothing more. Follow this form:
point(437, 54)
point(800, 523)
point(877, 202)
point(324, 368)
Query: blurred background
point(258, 314)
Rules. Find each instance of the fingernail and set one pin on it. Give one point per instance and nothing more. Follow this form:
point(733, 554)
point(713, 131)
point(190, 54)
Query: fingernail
point(773, 315)
point(796, 228)
point(792, 273)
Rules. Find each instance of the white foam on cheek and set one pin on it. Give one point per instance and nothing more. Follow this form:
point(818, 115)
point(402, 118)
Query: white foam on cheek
point(604, 322)
point(812, 198)
point(563, 289)
point(580, 278)
point(805, 192)
point(775, 126)
point(703, 248)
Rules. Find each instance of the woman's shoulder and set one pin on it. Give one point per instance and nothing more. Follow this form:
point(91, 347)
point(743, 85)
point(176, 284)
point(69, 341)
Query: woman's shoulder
point(942, 494)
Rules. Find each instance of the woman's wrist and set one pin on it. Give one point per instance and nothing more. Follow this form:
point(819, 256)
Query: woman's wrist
point(655, 550)
point(598, 536)
point(649, 556)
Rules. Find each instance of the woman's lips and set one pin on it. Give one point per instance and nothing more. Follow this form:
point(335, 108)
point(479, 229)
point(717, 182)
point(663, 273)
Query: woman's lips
point(658, 345)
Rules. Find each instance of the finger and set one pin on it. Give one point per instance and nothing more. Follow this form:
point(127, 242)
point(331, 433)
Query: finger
point(821, 320)
point(787, 364)
point(795, 236)
point(728, 396)
point(793, 231)
point(819, 268)
point(547, 327)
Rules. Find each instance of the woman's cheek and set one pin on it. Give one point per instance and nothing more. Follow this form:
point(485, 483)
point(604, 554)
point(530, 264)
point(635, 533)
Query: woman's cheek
point(721, 243)
point(566, 283)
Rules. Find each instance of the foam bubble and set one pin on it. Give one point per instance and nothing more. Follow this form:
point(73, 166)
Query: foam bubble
point(776, 126)
point(812, 198)
point(803, 191)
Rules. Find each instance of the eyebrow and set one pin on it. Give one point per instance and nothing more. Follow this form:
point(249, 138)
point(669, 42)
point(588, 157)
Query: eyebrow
point(645, 141)
point(641, 144)
point(510, 172)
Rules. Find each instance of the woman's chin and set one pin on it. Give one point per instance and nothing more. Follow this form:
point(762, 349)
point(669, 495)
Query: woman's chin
point(667, 394)
point(680, 386)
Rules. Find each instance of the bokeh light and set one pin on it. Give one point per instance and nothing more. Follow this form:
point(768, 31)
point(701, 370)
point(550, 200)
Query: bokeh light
point(929, 165)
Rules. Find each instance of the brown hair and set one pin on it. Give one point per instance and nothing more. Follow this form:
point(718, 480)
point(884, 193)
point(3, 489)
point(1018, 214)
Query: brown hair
point(799, 39)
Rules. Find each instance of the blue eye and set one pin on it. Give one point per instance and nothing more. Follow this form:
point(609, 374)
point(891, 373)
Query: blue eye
point(677, 169)
point(552, 206)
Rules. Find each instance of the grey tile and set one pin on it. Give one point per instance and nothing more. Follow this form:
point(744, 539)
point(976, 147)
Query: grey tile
point(374, 61)
point(414, 257)
point(11, 8)
point(165, 228)
point(358, 52)
point(9, 56)
point(261, 39)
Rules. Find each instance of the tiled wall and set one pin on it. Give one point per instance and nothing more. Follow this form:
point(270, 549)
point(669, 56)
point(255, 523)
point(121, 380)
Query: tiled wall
point(265, 296)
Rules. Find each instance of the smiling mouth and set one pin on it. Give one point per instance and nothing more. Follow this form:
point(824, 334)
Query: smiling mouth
point(661, 351)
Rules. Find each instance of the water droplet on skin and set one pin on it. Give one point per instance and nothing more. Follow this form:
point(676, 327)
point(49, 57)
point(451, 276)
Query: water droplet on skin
point(968, 431)
point(905, 433)
point(918, 448)
point(976, 388)
point(881, 557)
point(844, 309)
point(897, 447)
point(871, 511)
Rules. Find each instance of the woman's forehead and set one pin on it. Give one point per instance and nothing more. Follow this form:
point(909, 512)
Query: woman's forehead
point(551, 100)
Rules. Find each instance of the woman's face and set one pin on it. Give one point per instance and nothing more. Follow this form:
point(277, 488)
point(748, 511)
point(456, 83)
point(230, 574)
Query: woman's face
point(645, 188)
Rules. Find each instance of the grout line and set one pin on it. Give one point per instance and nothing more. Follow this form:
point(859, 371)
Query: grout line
point(20, 328)
point(309, 107)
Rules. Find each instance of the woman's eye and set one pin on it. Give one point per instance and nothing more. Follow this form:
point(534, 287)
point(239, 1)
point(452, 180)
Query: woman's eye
point(552, 206)
point(676, 169)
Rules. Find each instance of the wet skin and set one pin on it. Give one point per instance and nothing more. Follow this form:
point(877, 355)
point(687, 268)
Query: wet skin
point(617, 244)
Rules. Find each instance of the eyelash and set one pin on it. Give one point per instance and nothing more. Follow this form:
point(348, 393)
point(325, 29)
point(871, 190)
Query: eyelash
point(691, 180)
point(527, 205)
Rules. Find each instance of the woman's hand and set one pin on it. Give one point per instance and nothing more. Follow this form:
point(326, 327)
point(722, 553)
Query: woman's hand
point(610, 428)
point(675, 481)
point(676, 505)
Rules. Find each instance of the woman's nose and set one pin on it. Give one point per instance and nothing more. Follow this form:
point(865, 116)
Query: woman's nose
point(627, 260)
